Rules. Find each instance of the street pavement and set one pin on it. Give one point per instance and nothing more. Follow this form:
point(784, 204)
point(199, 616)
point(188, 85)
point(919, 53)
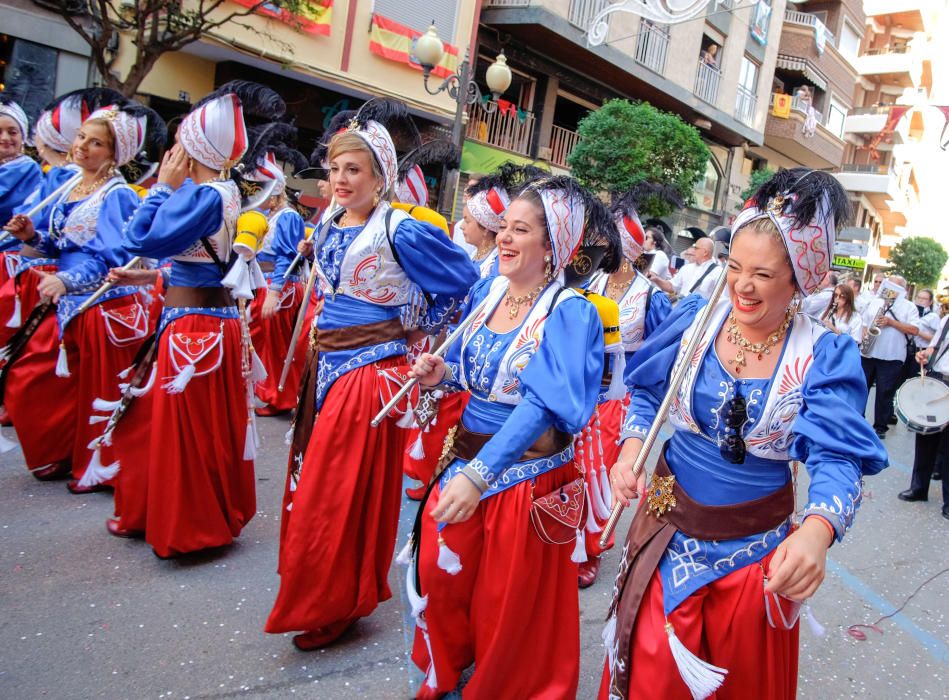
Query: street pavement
point(86, 615)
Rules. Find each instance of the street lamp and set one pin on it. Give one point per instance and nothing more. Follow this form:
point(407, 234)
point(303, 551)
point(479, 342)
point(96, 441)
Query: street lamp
point(429, 51)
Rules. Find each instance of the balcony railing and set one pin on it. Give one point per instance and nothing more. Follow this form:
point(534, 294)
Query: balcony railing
point(801, 105)
point(878, 109)
point(500, 129)
point(507, 3)
point(745, 104)
point(887, 50)
point(583, 11)
point(809, 20)
point(871, 169)
point(651, 47)
point(562, 143)
point(707, 79)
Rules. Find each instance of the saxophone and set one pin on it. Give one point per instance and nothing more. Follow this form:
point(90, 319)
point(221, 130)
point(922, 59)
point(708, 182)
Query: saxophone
point(830, 317)
point(873, 332)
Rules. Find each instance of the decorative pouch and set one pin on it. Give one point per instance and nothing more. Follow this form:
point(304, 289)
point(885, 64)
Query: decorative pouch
point(558, 515)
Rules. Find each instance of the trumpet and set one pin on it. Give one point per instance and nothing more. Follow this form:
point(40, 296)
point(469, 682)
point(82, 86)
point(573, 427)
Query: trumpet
point(873, 332)
point(943, 300)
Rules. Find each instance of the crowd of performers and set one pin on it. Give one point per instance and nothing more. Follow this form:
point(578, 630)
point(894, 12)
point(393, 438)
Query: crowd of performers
point(145, 330)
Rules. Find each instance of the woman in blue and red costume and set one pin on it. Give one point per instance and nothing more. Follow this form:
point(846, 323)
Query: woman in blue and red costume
point(717, 563)
point(275, 307)
point(199, 476)
point(72, 358)
point(20, 175)
point(492, 591)
point(344, 484)
point(642, 308)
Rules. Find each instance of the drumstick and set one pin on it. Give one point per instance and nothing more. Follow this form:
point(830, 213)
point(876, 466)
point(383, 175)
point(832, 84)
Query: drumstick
point(39, 207)
point(107, 286)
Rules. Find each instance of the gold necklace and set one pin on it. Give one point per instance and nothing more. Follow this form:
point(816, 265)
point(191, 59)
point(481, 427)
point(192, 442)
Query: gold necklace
point(514, 303)
point(482, 253)
point(84, 190)
point(735, 337)
point(345, 225)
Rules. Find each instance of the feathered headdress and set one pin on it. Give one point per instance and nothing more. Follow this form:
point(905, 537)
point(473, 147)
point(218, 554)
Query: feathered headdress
point(490, 196)
point(806, 206)
point(410, 187)
point(260, 173)
point(137, 130)
point(59, 122)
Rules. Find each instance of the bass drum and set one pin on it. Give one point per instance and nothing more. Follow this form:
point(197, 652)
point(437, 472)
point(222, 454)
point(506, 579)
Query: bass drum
point(922, 403)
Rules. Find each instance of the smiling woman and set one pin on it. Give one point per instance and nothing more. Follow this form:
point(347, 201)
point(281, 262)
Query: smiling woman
point(768, 385)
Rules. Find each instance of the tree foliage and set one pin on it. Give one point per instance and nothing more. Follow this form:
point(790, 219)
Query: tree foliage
point(919, 259)
point(756, 180)
point(149, 29)
point(624, 143)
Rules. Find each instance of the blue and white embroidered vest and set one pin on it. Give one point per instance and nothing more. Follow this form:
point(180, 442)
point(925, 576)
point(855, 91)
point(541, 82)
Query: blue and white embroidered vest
point(506, 387)
point(632, 308)
point(770, 436)
point(369, 271)
point(222, 238)
point(80, 226)
point(266, 246)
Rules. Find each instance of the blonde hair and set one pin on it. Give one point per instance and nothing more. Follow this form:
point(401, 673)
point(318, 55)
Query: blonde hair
point(108, 127)
point(346, 142)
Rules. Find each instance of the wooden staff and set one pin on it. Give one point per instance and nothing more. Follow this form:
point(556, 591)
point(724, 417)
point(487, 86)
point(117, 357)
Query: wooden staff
point(107, 286)
point(677, 378)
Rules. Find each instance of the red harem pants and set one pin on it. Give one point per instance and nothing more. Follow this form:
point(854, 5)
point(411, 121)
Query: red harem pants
point(340, 535)
point(200, 487)
point(611, 415)
point(723, 623)
point(271, 338)
point(100, 343)
point(512, 610)
point(23, 289)
point(433, 440)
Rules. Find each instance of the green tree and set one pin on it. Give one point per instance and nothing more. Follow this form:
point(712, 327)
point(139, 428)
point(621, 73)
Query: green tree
point(757, 179)
point(919, 259)
point(153, 28)
point(624, 143)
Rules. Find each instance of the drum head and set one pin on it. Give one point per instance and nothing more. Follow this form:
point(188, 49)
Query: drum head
point(923, 405)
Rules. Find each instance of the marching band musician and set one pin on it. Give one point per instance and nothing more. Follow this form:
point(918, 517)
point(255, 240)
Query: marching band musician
point(71, 358)
point(343, 489)
point(497, 590)
point(715, 568)
point(200, 484)
point(840, 314)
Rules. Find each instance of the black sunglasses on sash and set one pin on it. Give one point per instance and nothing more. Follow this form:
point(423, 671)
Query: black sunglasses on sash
point(732, 446)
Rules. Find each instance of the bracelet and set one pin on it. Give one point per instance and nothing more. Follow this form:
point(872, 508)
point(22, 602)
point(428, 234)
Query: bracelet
point(474, 477)
point(827, 524)
point(161, 187)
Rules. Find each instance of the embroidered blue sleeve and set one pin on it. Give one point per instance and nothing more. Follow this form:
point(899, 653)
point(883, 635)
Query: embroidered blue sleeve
point(559, 387)
point(104, 250)
point(453, 379)
point(168, 223)
point(831, 435)
point(290, 231)
point(18, 180)
point(659, 310)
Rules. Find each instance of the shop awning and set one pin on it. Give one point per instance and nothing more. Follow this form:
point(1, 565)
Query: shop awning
point(804, 67)
point(481, 158)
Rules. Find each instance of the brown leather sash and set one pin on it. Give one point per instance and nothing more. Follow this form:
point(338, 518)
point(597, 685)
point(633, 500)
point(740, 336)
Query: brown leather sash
point(649, 536)
point(199, 297)
point(266, 266)
point(336, 339)
point(467, 444)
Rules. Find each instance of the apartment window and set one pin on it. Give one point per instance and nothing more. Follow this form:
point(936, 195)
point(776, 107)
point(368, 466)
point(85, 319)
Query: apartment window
point(836, 113)
point(849, 41)
point(418, 14)
point(746, 97)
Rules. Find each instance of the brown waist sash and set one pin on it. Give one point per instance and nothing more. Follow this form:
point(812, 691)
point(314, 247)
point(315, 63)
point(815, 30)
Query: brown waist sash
point(200, 297)
point(266, 266)
point(467, 444)
point(650, 534)
point(335, 339)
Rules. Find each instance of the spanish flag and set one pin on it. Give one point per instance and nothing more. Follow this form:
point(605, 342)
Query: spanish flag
point(389, 39)
point(314, 17)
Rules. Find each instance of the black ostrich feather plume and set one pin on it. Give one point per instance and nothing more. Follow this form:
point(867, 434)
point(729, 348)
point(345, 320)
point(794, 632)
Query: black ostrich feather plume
point(339, 122)
point(435, 151)
point(257, 100)
point(94, 98)
point(510, 177)
point(395, 117)
point(265, 138)
point(816, 192)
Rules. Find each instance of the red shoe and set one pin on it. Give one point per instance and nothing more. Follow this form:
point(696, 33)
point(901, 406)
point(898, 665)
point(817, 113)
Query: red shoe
point(5, 417)
point(589, 570)
point(416, 494)
point(268, 410)
point(75, 488)
point(321, 637)
point(114, 526)
point(54, 471)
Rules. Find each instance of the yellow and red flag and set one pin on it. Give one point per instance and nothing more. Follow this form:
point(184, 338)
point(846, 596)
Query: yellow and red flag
point(313, 17)
point(389, 39)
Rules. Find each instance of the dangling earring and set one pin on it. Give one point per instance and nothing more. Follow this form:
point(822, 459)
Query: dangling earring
point(548, 268)
point(376, 198)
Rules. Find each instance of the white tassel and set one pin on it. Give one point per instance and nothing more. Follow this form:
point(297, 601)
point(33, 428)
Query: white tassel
point(124, 374)
point(701, 677)
point(15, 318)
point(97, 473)
point(579, 548)
point(431, 680)
point(62, 362)
point(238, 280)
point(417, 602)
point(617, 389)
point(605, 489)
point(93, 420)
point(407, 420)
point(597, 502)
point(405, 554)
point(258, 373)
point(251, 440)
point(418, 448)
point(106, 406)
point(591, 525)
point(5, 443)
point(257, 279)
point(141, 391)
point(288, 437)
point(178, 384)
point(448, 560)
point(609, 641)
point(817, 629)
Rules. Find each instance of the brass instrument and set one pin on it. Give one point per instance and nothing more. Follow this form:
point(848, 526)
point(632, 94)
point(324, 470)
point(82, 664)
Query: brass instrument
point(829, 319)
point(873, 332)
point(943, 300)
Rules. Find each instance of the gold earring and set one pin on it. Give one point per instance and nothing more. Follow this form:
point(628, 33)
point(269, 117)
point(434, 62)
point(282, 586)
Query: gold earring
point(548, 268)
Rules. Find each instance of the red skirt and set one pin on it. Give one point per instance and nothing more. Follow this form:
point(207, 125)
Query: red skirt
point(723, 623)
point(200, 487)
point(337, 545)
point(271, 338)
point(18, 292)
point(512, 610)
point(423, 467)
point(130, 445)
point(604, 428)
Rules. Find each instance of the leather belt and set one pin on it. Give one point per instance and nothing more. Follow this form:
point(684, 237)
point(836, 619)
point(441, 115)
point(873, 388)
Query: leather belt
point(352, 337)
point(467, 444)
point(266, 266)
point(199, 297)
